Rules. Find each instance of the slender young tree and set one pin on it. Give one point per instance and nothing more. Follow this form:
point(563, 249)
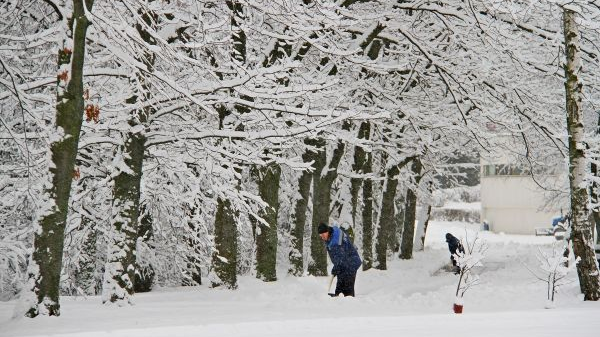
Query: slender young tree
point(581, 234)
point(367, 214)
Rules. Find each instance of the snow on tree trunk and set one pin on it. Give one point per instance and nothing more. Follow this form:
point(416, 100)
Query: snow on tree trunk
point(144, 272)
point(46, 260)
point(367, 214)
point(386, 217)
point(85, 275)
point(357, 168)
point(299, 218)
point(122, 270)
point(408, 233)
point(193, 274)
point(595, 192)
point(266, 237)
point(422, 222)
point(322, 182)
point(224, 259)
point(119, 273)
point(321, 201)
point(582, 235)
point(396, 236)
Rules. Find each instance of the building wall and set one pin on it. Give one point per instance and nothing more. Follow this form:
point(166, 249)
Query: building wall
point(514, 204)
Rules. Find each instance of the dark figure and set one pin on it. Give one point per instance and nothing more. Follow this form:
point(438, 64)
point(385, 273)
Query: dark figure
point(454, 245)
point(344, 257)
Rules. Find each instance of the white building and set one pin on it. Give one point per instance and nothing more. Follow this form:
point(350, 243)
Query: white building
point(511, 201)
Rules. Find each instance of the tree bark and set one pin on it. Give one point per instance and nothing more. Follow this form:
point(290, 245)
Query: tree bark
point(321, 199)
point(362, 165)
point(46, 261)
point(581, 234)
point(367, 214)
point(396, 237)
point(144, 274)
point(119, 274)
point(266, 237)
point(422, 223)
point(123, 275)
point(193, 273)
point(85, 275)
point(224, 258)
point(299, 217)
point(386, 216)
point(595, 192)
point(322, 182)
point(357, 168)
point(408, 233)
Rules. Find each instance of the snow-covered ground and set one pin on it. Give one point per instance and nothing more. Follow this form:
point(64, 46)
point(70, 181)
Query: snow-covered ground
point(412, 298)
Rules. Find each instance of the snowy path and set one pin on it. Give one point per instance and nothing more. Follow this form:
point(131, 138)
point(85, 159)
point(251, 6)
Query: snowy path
point(540, 323)
point(406, 300)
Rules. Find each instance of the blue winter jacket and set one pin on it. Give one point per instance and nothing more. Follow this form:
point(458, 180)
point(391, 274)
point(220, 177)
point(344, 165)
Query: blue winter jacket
point(342, 253)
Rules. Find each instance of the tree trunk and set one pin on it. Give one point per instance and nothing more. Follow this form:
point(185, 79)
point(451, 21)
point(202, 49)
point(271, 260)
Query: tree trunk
point(581, 234)
point(193, 273)
point(225, 256)
point(85, 275)
point(396, 238)
point(46, 261)
point(322, 182)
point(266, 237)
point(423, 233)
point(299, 218)
point(123, 275)
point(408, 232)
point(357, 168)
point(367, 214)
point(321, 199)
point(595, 193)
point(144, 273)
point(386, 216)
point(362, 165)
point(120, 270)
point(422, 223)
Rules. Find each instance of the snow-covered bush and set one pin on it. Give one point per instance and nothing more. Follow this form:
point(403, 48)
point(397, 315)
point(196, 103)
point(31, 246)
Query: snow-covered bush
point(12, 267)
point(553, 269)
point(473, 255)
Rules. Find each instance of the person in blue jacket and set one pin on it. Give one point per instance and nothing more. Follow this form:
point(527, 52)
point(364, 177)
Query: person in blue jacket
point(344, 257)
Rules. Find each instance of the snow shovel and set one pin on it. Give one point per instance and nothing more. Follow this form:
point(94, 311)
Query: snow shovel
point(329, 286)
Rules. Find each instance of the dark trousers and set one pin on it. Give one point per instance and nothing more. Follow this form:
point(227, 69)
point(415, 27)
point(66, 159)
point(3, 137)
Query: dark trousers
point(345, 284)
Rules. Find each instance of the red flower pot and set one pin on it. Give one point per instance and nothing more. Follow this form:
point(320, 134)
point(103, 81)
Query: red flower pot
point(457, 308)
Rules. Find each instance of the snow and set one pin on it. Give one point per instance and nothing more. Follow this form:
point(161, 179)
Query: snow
point(476, 206)
point(412, 298)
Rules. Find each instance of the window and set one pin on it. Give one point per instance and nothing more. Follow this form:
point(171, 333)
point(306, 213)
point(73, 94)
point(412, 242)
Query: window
point(492, 170)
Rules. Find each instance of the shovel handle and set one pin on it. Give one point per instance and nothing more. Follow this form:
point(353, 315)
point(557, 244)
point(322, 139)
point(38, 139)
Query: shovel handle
point(330, 282)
